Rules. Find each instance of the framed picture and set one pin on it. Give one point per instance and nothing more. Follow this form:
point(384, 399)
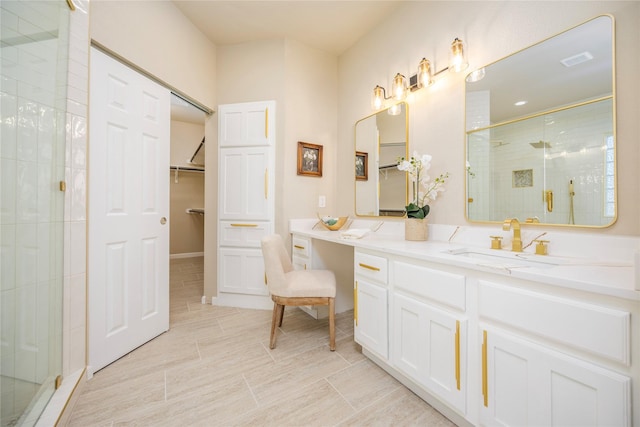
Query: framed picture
point(362, 166)
point(309, 159)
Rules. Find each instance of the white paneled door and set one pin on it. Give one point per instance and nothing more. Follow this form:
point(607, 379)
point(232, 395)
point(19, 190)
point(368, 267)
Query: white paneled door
point(128, 240)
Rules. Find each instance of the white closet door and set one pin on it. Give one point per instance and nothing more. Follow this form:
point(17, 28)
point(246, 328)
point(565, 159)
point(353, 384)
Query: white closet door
point(128, 241)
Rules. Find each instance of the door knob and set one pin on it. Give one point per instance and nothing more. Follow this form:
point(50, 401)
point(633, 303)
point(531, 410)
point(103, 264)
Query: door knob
point(163, 220)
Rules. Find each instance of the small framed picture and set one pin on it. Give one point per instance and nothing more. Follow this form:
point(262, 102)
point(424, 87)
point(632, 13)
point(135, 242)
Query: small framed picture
point(362, 166)
point(309, 159)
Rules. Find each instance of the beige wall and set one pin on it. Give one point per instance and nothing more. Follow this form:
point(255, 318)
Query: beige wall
point(303, 82)
point(491, 31)
point(311, 115)
point(158, 38)
point(185, 140)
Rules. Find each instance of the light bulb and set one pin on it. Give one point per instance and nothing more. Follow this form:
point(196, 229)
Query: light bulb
point(377, 98)
point(457, 61)
point(399, 87)
point(424, 73)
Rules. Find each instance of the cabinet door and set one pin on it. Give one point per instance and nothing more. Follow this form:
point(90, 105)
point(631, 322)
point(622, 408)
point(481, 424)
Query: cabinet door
point(245, 191)
point(246, 124)
point(429, 345)
point(527, 384)
point(241, 271)
point(300, 263)
point(370, 317)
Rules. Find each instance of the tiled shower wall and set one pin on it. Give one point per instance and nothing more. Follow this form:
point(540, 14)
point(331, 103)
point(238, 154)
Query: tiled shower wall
point(31, 152)
point(575, 150)
point(28, 138)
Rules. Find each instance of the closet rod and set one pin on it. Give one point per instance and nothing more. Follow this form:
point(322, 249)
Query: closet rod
point(186, 169)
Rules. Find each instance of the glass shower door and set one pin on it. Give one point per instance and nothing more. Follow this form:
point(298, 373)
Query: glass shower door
point(34, 51)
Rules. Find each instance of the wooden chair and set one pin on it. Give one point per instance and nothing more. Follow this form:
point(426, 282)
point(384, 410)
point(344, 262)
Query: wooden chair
point(289, 287)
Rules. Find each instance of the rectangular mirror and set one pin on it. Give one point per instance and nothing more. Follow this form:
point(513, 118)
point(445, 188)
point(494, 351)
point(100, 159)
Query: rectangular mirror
point(540, 130)
point(380, 188)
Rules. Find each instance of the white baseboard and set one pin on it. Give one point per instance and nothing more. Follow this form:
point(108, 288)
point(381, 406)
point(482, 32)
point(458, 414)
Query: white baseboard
point(186, 255)
point(261, 302)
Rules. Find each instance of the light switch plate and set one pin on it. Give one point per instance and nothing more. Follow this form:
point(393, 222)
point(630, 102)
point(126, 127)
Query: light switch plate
point(322, 201)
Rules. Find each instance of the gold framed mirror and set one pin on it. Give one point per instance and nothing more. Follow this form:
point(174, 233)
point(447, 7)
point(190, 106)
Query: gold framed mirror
point(540, 132)
point(379, 140)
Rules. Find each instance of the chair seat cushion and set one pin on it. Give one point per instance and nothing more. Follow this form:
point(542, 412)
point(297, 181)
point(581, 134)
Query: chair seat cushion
point(308, 283)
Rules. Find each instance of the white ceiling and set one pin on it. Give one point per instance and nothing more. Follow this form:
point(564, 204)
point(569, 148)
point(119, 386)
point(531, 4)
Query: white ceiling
point(330, 25)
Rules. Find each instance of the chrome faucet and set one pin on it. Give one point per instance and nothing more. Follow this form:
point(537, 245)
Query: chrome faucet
point(516, 245)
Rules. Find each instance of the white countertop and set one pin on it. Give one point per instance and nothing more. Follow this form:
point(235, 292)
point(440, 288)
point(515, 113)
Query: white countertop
point(597, 264)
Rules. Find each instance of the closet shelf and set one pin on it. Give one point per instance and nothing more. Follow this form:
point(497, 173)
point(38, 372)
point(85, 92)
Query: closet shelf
point(187, 168)
point(198, 211)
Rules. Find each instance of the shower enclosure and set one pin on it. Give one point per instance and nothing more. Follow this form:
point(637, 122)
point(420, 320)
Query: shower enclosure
point(34, 51)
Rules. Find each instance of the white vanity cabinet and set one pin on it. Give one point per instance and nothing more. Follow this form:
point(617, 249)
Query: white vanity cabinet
point(528, 384)
point(429, 332)
point(370, 299)
point(491, 346)
point(527, 380)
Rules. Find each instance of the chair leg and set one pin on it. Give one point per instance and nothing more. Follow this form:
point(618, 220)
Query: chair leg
point(274, 318)
point(332, 324)
point(281, 316)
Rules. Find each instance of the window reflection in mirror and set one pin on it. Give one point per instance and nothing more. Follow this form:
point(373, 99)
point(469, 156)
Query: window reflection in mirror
point(380, 139)
point(541, 132)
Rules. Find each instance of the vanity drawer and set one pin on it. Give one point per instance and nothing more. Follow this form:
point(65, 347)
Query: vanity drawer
point(300, 247)
point(372, 267)
point(599, 330)
point(243, 233)
point(439, 286)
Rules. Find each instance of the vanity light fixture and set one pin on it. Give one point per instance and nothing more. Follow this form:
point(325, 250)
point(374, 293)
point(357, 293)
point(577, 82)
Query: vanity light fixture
point(423, 78)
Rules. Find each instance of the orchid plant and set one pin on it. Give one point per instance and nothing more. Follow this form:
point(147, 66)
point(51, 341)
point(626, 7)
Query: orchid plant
point(424, 189)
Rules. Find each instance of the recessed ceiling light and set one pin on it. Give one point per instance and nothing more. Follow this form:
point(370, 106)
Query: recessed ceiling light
point(519, 103)
point(577, 59)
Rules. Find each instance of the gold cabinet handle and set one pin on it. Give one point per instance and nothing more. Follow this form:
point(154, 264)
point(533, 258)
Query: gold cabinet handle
point(265, 279)
point(368, 267)
point(266, 183)
point(355, 303)
point(72, 6)
point(244, 225)
point(485, 386)
point(266, 123)
point(298, 247)
point(458, 354)
point(549, 198)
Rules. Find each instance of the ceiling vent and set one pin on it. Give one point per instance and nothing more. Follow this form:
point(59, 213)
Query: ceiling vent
point(577, 59)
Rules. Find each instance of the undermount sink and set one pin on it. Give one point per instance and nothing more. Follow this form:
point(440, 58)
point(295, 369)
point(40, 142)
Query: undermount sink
point(498, 258)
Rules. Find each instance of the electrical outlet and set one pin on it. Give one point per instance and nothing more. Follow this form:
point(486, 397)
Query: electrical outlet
point(322, 201)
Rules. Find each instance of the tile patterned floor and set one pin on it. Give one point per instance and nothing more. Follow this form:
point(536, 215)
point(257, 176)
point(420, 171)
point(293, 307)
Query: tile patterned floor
point(214, 368)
